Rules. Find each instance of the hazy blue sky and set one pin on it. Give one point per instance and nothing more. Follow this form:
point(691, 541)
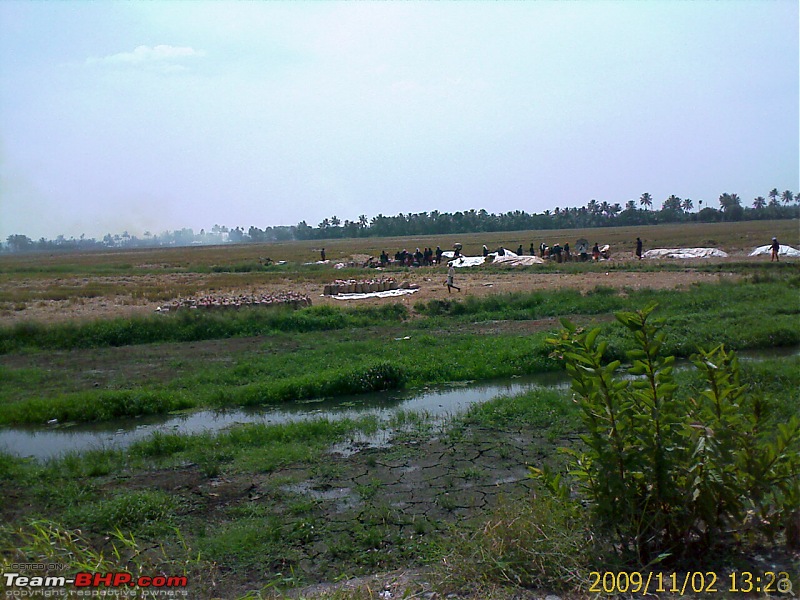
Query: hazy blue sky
point(161, 115)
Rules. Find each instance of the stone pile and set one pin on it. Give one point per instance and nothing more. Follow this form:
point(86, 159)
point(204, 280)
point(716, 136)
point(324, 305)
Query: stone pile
point(212, 302)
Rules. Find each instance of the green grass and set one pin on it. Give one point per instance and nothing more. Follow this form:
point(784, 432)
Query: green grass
point(331, 351)
point(537, 410)
point(523, 541)
point(95, 406)
point(148, 512)
point(188, 326)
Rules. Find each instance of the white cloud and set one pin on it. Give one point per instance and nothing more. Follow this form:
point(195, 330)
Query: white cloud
point(147, 55)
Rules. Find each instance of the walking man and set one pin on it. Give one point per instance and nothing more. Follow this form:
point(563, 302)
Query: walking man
point(451, 273)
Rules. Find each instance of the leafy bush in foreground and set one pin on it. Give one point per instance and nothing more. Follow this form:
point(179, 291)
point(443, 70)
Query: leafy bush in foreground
point(672, 475)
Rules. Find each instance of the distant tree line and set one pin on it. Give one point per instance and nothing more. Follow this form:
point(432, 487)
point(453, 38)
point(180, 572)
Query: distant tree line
point(785, 205)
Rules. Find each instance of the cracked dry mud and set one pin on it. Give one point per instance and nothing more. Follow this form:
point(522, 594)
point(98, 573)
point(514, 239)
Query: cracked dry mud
point(417, 484)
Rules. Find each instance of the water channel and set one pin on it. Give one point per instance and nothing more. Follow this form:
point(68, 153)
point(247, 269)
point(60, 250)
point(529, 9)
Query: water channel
point(437, 402)
point(46, 442)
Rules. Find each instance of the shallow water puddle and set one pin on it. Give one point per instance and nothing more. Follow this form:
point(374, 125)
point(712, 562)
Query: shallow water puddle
point(46, 442)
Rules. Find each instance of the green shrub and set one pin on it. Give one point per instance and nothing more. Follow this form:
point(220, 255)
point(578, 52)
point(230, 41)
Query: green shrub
point(668, 473)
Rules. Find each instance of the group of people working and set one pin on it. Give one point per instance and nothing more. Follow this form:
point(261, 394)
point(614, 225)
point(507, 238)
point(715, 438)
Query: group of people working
point(419, 258)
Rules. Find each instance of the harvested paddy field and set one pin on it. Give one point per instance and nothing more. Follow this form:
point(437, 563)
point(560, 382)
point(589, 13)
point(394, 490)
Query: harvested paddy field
point(85, 305)
point(68, 287)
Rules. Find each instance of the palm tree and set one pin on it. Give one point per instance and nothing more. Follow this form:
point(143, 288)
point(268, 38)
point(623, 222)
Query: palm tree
point(672, 203)
point(787, 196)
point(759, 202)
point(630, 205)
point(728, 201)
point(646, 200)
point(687, 204)
point(773, 197)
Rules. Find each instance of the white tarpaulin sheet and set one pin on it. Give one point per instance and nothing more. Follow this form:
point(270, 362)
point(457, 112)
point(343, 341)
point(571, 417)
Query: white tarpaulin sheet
point(784, 251)
point(476, 261)
point(467, 261)
point(685, 253)
point(517, 261)
point(386, 294)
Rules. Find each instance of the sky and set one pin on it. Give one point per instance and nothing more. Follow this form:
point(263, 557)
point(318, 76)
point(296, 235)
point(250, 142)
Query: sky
point(152, 116)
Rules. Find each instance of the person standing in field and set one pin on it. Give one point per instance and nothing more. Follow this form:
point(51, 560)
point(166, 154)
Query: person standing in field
point(639, 248)
point(776, 248)
point(322, 254)
point(451, 273)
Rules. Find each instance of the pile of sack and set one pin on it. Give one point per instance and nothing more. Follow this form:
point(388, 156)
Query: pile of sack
point(364, 286)
point(211, 302)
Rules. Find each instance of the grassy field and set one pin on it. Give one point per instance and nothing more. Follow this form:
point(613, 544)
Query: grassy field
point(259, 511)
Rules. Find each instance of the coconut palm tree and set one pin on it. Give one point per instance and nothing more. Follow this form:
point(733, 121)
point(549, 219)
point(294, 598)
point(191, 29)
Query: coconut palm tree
point(687, 204)
point(759, 202)
point(672, 203)
point(773, 197)
point(729, 201)
point(646, 200)
point(630, 205)
point(787, 196)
